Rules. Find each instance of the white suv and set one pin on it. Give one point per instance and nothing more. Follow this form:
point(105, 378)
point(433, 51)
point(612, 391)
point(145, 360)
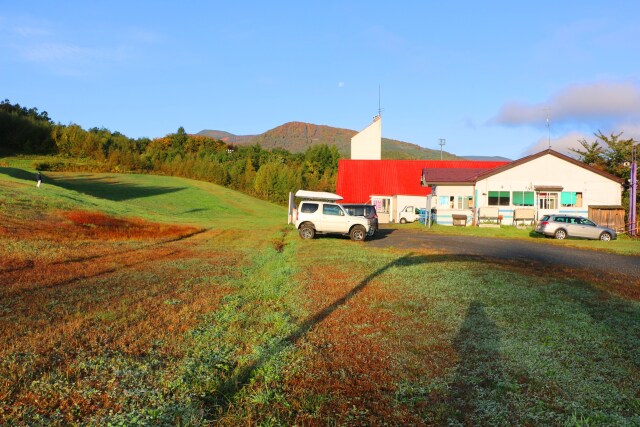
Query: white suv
point(322, 217)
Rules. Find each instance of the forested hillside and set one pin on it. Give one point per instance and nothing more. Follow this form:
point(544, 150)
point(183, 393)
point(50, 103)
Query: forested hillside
point(268, 174)
point(297, 137)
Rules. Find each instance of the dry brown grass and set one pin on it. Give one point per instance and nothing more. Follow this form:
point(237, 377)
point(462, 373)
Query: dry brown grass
point(103, 286)
point(351, 363)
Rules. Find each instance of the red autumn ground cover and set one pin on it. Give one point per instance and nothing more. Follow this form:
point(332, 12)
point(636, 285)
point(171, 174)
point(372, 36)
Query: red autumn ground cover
point(94, 286)
point(352, 369)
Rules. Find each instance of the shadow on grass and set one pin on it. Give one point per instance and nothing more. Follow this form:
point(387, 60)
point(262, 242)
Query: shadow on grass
point(479, 370)
point(480, 377)
point(228, 390)
point(105, 188)
point(231, 387)
point(102, 187)
point(19, 174)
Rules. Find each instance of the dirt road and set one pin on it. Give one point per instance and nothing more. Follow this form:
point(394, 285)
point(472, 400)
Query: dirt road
point(539, 252)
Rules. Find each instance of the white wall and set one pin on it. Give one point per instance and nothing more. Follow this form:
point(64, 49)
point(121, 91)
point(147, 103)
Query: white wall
point(367, 145)
point(549, 170)
point(444, 209)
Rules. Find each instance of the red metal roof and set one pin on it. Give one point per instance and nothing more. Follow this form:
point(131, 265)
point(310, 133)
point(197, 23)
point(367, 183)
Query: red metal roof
point(358, 180)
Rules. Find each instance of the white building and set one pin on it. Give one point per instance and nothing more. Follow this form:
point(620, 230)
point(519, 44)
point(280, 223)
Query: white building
point(367, 144)
point(526, 189)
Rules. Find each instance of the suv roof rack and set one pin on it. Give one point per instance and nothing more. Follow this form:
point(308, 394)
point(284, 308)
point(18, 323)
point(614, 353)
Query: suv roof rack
point(318, 195)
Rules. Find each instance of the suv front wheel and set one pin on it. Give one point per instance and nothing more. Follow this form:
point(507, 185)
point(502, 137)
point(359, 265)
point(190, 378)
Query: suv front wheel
point(358, 233)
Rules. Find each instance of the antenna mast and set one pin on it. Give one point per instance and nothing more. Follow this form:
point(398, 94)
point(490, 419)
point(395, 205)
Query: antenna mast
point(548, 128)
point(379, 105)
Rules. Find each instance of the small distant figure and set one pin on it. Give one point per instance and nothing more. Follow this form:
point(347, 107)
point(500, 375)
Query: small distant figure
point(38, 179)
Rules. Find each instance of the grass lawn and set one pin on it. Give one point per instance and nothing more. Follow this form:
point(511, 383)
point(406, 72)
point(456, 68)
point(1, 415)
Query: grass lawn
point(224, 316)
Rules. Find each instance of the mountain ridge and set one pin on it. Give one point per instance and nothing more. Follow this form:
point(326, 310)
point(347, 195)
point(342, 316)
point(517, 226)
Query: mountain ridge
point(296, 137)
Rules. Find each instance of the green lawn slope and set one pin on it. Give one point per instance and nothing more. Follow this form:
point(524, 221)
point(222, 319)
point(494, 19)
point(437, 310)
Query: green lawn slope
point(151, 197)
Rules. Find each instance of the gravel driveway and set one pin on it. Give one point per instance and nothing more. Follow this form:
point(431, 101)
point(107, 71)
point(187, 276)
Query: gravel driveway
point(510, 249)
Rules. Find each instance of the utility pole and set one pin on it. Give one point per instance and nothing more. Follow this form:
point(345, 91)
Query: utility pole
point(633, 189)
point(441, 142)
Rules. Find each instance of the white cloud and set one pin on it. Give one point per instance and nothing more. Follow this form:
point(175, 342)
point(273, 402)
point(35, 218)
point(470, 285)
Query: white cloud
point(48, 52)
point(601, 102)
point(64, 53)
point(30, 31)
point(569, 140)
point(561, 144)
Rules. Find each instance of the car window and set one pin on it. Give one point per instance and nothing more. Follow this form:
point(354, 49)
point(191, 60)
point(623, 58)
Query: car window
point(585, 221)
point(332, 210)
point(309, 207)
point(354, 210)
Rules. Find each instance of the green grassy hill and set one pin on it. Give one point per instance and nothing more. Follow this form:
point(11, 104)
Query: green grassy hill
point(151, 197)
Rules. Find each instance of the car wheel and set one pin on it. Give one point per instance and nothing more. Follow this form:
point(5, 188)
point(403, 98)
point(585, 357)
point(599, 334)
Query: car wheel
point(307, 231)
point(358, 233)
point(605, 236)
point(560, 234)
point(403, 220)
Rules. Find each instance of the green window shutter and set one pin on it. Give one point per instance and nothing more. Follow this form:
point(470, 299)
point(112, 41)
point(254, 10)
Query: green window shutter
point(568, 198)
point(518, 198)
point(528, 198)
point(523, 198)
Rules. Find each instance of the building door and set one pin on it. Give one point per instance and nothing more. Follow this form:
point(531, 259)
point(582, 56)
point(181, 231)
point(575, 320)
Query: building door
point(383, 208)
point(547, 203)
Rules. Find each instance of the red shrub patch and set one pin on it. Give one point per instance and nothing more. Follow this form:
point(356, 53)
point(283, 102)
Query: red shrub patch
point(100, 225)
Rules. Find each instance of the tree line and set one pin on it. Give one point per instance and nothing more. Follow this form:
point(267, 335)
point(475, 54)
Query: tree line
point(610, 153)
point(267, 174)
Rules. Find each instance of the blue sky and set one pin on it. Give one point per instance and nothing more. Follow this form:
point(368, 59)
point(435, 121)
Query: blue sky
point(482, 75)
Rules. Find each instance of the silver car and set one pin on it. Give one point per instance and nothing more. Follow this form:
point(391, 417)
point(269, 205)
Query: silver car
point(563, 226)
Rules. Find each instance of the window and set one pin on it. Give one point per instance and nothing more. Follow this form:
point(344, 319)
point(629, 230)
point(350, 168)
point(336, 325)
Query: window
point(309, 207)
point(570, 199)
point(584, 221)
point(499, 198)
point(523, 198)
point(548, 200)
point(447, 201)
point(354, 210)
point(465, 202)
point(382, 205)
point(332, 210)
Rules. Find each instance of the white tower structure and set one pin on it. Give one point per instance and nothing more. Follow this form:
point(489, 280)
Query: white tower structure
point(367, 144)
